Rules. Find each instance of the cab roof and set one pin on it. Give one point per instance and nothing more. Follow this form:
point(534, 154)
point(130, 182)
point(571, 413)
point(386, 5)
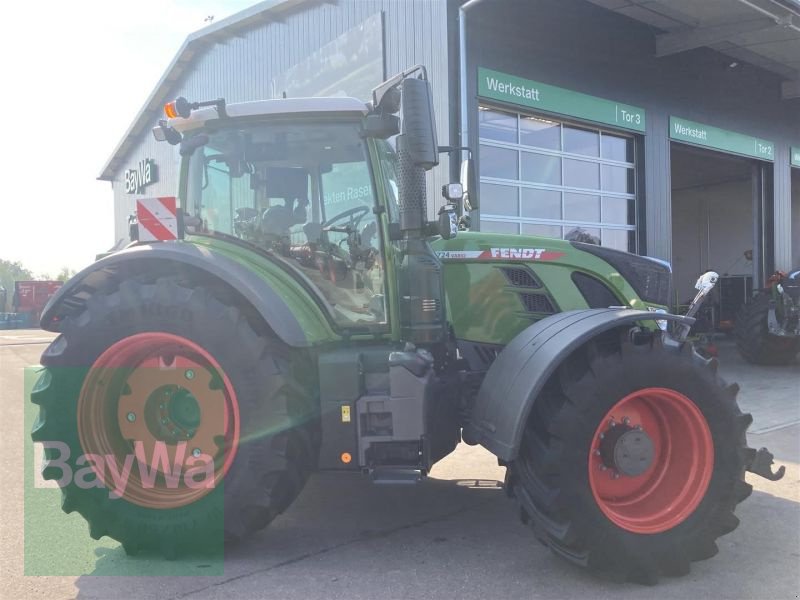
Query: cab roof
point(280, 106)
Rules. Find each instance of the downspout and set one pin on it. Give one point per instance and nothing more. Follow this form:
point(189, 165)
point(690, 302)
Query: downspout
point(463, 109)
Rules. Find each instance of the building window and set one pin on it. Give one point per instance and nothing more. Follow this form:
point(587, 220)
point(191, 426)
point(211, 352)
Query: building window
point(541, 176)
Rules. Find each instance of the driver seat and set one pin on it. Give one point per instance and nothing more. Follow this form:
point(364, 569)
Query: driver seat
point(278, 220)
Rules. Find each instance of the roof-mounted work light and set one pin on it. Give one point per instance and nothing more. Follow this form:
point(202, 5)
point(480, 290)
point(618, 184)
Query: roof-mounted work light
point(164, 133)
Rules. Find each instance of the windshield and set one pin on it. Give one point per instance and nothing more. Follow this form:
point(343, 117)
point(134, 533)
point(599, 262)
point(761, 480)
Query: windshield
point(305, 193)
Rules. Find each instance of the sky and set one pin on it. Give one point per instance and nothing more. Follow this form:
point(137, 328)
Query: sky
point(75, 74)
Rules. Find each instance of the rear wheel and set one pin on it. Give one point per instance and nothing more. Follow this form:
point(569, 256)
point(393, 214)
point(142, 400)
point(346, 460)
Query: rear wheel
point(182, 428)
point(753, 340)
point(632, 460)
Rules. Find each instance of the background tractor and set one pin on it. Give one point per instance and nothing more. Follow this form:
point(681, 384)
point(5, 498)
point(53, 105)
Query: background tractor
point(309, 317)
point(768, 326)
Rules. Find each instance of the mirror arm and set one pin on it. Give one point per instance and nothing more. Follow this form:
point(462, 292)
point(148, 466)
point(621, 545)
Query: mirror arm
point(451, 149)
point(380, 91)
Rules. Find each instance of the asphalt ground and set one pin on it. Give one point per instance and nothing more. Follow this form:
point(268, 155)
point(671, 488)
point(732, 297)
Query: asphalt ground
point(455, 535)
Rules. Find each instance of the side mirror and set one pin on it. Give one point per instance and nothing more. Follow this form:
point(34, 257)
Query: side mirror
point(448, 221)
point(469, 183)
point(419, 124)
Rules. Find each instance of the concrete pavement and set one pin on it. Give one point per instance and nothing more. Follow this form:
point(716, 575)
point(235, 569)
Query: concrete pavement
point(455, 535)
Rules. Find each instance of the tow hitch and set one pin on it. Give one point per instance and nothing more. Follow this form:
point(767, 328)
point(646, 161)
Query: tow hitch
point(761, 464)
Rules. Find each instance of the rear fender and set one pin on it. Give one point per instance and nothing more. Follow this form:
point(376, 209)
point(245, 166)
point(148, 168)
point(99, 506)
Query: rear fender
point(517, 375)
point(182, 259)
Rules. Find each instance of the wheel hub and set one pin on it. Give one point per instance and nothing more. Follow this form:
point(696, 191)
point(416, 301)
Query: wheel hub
point(183, 409)
point(626, 450)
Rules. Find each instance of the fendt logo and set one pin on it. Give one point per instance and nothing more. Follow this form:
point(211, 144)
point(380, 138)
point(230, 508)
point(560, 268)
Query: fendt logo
point(139, 178)
point(501, 254)
point(523, 253)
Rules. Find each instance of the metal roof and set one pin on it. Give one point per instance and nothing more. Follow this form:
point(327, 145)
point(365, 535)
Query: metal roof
point(263, 12)
point(764, 33)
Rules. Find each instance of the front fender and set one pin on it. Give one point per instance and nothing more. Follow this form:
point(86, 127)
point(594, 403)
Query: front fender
point(181, 258)
point(519, 372)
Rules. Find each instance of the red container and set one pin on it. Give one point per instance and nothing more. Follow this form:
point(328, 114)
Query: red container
point(32, 296)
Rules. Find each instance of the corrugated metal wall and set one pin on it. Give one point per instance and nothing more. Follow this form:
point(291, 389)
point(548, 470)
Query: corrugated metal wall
point(582, 47)
point(242, 68)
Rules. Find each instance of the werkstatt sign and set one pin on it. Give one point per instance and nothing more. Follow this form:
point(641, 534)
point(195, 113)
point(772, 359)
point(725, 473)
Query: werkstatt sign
point(549, 98)
point(720, 139)
point(795, 155)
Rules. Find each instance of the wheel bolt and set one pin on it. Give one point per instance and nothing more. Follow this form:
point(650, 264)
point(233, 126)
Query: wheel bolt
point(189, 374)
point(626, 421)
point(603, 467)
point(614, 475)
point(196, 452)
point(131, 417)
point(164, 421)
point(612, 423)
point(597, 453)
point(639, 427)
point(602, 436)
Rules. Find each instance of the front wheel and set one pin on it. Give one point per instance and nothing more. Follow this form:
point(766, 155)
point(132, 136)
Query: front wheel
point(632, 460)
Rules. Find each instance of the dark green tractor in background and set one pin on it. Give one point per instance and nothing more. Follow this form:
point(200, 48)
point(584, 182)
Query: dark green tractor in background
point(768, 326)
point(311, 318)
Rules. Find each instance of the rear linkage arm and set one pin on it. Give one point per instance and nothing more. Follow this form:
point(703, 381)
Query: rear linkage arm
point(759, 462)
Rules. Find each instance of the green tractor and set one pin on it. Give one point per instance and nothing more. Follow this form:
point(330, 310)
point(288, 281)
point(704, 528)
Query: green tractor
point(309, 317)
point(768, 326)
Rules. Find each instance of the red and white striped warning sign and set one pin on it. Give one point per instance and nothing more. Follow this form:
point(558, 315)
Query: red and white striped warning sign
point(158, 219)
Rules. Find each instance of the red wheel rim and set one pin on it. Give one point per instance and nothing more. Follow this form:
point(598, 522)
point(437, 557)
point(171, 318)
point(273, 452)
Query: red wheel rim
point(677, 477)
point(162, 409)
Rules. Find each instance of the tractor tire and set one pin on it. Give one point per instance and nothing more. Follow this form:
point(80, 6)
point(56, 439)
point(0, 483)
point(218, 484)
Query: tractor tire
point(250, 424)
point(649, 494)
point(753, 340)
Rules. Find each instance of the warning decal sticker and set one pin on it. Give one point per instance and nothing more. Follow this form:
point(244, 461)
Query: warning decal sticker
point(158, 219)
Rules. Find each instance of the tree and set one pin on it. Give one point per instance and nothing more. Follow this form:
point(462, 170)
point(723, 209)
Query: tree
point(65, 274)
point(9, 273)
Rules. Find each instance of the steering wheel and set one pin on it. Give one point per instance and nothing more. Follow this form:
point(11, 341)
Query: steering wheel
point(355, 215)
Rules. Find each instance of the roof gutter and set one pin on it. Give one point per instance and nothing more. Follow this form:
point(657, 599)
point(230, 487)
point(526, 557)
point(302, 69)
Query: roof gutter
point(783, 20)
point(462, 72)
point(463, 108)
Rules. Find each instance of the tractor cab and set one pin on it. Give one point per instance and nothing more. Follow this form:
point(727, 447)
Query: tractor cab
point(317, 184)
point(302, 188)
